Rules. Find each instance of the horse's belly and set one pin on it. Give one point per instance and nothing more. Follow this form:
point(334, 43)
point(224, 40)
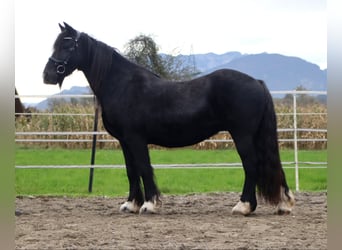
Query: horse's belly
point(180, 136)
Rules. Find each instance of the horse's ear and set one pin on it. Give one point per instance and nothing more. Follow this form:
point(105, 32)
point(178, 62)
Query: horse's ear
point(68, 27)
point(61, 27)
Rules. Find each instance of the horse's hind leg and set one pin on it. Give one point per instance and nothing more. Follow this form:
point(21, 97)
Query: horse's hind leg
point(287, 200)
point(246, 149)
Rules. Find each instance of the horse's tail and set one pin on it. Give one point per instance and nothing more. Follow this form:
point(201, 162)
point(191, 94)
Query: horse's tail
point(271, 176)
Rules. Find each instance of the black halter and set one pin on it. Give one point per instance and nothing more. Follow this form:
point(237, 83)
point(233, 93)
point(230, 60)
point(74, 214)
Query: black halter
point(60, 64)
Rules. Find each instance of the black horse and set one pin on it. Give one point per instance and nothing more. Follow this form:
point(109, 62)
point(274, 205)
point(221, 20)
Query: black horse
point(140, 108)
point(19, 107)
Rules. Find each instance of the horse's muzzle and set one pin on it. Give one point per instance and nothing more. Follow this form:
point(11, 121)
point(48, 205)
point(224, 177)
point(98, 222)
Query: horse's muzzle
point(52, 79)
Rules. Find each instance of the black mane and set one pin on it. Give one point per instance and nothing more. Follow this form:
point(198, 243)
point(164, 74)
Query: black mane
point(101, 58)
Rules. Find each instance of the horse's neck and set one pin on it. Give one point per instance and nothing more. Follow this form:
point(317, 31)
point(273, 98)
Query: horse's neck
point(97, 63)
point(101, 63)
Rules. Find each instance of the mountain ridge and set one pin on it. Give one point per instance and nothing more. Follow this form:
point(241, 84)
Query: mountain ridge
point(280, 72)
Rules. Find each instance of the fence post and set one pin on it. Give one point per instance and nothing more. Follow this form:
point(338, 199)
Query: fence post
point(93, 149)
point(295, 140)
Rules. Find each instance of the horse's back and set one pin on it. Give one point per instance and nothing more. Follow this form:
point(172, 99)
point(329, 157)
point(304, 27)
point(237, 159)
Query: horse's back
point(237, 98)
point(234, 87)
point(233, 81)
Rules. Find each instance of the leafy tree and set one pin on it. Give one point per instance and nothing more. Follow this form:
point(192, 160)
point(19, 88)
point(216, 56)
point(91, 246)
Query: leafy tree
point(144, 51)
point(302, 99)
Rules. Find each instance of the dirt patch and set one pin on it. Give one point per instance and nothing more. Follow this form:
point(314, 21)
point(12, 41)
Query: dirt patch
point(198, 221)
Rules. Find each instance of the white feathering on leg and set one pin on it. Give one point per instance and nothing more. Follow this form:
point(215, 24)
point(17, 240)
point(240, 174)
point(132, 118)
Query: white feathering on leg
point(286, 203)
point(243, 208)
point(130, 207)
point(150, 207)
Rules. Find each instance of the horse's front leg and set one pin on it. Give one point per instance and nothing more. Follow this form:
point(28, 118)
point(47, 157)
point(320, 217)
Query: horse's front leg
point(135, 197)
point(139, 166)
point(152, 195)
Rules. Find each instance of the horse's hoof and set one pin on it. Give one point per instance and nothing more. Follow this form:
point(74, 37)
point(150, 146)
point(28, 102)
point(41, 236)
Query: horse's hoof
point(242, 208)
point(148, 208)
point(283, 211)
point(287, 202)
point(129, 207)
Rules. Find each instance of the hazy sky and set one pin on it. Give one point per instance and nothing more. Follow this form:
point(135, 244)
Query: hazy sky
point(291, 27)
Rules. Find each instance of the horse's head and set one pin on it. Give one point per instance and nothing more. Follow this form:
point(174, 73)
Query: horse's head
point(65, 57)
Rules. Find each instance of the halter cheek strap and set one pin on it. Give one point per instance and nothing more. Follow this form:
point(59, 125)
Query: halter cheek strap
point(60, 64)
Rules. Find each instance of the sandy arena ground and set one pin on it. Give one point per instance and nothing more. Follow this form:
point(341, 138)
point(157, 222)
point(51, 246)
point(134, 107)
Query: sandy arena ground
point(197, 221)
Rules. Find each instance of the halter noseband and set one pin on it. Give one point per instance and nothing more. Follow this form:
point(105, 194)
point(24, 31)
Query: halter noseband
point(60, 64)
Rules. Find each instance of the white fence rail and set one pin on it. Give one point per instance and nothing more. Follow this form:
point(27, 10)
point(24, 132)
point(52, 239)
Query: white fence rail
point(295, 164)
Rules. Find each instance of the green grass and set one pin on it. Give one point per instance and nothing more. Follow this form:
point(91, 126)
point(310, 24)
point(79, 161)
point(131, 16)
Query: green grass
point(113, 182)
point(103, 157)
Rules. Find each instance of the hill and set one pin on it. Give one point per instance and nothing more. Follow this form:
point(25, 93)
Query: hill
point(205, 62)
point(279, 72)
point(76, 90)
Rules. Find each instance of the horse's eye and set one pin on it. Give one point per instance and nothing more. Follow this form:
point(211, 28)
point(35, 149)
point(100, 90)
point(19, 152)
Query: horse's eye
point(68, 44)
